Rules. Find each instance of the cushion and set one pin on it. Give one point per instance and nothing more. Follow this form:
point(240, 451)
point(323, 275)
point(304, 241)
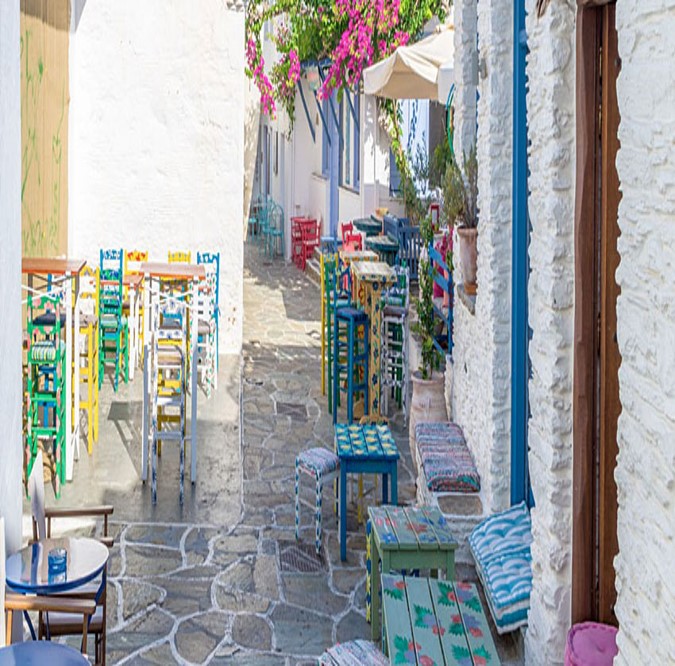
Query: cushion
point(503, 532)
point(591, 644)
point(49, 319)
point(109, 320)
point(447, 462)
point(353, 653)
point(45, 350)
point(318, 461)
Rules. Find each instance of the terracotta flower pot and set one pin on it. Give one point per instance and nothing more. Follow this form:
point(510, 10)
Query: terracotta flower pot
point(468, 257)
point(427, 405)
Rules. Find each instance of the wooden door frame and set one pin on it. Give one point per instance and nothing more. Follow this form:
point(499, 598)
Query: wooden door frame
point(596, 402)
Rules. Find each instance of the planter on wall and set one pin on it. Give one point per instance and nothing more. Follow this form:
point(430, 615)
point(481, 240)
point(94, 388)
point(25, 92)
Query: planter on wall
point(428, 404)
point(468, 258)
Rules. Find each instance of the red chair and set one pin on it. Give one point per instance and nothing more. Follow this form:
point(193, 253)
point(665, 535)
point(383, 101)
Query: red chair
point(352, 241)
point(305, 237)
point(296, 241)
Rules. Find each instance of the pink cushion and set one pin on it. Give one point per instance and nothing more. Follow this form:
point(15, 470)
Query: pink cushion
point(591, 644)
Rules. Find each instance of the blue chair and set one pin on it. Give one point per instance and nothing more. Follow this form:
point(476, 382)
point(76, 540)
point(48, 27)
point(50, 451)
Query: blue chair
point(213, 259)
point(275, 230)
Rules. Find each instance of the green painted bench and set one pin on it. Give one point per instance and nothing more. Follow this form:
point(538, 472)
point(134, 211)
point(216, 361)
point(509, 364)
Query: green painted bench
point(431, 622)
point(405, 538)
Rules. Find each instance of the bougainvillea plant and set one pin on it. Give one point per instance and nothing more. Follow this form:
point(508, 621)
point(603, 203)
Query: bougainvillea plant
point(345, 35)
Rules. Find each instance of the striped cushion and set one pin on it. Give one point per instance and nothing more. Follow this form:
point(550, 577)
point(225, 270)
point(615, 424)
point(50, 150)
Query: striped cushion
point(447, 462)
point(318, 461)
point(503, 532)
point(45, 351)
point(353, 653)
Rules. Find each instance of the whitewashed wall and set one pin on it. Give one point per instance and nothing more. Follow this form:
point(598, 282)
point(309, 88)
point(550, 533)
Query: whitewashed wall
point(551, 128)
point(11, 449)
point(481, 395)
point(645, 474)
point(157, 135)
point(466, 74)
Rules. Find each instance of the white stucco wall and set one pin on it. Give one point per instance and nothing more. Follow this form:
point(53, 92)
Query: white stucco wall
point(645, 474)
point(481, 395)
point(466, 74)
point(11, 454)
point(551, 129)
point(157, 148)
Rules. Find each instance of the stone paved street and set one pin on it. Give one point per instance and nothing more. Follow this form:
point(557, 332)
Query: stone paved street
point(222, 580)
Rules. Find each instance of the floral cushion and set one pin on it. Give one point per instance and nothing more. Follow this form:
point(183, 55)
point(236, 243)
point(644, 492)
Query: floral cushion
point(318, 461)
point(447, 462)
point(353, 653)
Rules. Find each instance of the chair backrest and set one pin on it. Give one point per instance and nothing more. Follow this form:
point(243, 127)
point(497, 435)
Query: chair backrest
point(410, 247)
point(133, 260)
point(2, 582)
point(276, 218)
point(180, 257)
point(399, 292)
point(36, 490)
point(212, 259)
point(346, 228)
point(89, 289)
point(110, 281)
point(391, 225)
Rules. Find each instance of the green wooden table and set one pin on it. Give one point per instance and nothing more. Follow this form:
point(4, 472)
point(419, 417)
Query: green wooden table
point(385, 246)
point(405, 538)
point(429, 622)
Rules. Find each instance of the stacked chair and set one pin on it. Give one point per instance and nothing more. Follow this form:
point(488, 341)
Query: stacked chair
point(205, 310)
point(132, 266)
point(394, 347)
point(211, 260)
point(274, 230)
point(114, 328)
point(88, 350)
point(46, 358)
point(180, 257)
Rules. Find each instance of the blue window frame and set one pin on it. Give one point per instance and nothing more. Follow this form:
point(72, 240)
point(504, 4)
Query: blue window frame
point(325, 147)
point(394, 176)
point(350, 146)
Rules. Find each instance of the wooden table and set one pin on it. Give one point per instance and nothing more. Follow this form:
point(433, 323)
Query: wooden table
point(368, 226)
point(385, 246)
point(429, 621)
point(365, 449)
point(133, 281)
point(350, 256)
point(63, 270)
point(369, 279)
point(409, 538)
point(154, 273)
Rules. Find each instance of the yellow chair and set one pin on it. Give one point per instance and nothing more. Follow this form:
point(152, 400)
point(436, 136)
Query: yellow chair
point(179, 257)
point(88, 349)
point(132, 266)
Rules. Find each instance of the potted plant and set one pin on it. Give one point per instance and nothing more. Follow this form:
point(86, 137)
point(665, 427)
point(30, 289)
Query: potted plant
point(428, 398)
point(461, 208)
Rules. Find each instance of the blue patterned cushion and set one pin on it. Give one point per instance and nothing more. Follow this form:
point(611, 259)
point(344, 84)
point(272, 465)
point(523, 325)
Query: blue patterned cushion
point(44, 351)
point(353, 653)
point(503, 532)
point(318, 461)
point(447, 462)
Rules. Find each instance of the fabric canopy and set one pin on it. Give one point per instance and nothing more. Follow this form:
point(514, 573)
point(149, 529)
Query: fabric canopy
point(412, 72)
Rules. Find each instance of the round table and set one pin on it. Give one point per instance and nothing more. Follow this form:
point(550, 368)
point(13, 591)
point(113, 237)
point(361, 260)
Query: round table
point(28, 570)
point(38, 653)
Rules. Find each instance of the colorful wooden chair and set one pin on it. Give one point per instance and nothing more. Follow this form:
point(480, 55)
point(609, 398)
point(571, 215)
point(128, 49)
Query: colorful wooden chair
point(275, 231)
point(89, 349)
point(180, 257)
point(206, 332)
point(133, 259)
point(213, 259)
point(113, 326)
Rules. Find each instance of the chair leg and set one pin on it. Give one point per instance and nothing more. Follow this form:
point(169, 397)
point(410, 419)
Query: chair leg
point(319, 498)
point(297, 500)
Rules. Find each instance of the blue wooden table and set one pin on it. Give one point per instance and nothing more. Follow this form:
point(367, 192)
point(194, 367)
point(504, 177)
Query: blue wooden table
point(365, 449)
point(38, 653)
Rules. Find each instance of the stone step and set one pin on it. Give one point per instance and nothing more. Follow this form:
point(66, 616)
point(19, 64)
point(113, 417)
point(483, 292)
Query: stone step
point(313, 271)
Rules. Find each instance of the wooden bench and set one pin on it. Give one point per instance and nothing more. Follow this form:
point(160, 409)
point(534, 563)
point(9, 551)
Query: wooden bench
point(429, 621)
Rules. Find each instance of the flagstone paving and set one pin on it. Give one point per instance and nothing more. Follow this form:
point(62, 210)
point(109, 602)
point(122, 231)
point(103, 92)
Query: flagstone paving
point(222, 580)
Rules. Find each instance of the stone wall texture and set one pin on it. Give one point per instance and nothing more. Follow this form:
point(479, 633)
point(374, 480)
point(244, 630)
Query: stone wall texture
point(481, 392)
point(551, 128)
point(645, 474)
point(466, 74)
point(157, 136)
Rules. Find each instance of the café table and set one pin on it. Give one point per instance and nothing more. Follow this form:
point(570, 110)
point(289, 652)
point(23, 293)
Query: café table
point(385, 246)
point(369, 226)
point(369, 279)
point(350, 256)
point(190, 274)
point(39, 653)
point(39, 269)
point(27, 571)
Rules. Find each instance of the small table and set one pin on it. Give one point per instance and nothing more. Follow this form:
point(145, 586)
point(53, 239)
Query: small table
point(370, 278)
point(350, 256)
point(38, 653)
point(365, 449)
point(435, 622)
point(405, 538)
point(385, 246)
point(64, 270)
point(368, 226)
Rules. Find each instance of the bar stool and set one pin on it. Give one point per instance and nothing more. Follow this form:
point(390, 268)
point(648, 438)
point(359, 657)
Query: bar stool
point(351, 352)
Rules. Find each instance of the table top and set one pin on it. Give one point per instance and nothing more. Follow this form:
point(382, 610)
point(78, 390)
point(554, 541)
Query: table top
point(28, 570)
point(51, 266)
point(382, 242)
point(436, 622)
point(38, 653)
point(368, 225)
point(174, 271)
point(350, 256)
point(367, 442)
point(373, 271)
point(410, 528)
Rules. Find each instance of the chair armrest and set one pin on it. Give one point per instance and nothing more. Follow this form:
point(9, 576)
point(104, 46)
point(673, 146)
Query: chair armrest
point(85, 511)
point(54, 604)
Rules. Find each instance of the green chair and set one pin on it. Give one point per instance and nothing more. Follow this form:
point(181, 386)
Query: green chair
point(275, 231)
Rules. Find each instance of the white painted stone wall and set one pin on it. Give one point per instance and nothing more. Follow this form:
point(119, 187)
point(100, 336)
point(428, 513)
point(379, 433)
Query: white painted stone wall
point(481, 395)
point(157, 138)
point(551, 126)
point(11, 448)
point(645, 474)
point(466, 74)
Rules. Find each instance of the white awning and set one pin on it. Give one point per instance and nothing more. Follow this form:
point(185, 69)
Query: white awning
point(412, 72)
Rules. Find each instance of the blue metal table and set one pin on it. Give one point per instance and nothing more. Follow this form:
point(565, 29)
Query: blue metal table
point(365, 449)
point(38, 653)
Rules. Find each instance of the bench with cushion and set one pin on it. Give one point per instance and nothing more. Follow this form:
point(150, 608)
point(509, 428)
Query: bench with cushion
point(500, 546)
